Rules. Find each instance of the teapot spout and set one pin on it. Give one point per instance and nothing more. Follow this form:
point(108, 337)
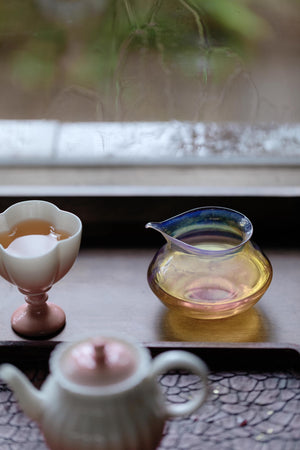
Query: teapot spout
point(30, 399)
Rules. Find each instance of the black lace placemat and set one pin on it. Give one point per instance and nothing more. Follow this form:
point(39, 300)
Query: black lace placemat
point(257, 411)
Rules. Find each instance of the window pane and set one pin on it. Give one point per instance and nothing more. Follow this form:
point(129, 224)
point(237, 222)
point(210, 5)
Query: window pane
point(195, 61)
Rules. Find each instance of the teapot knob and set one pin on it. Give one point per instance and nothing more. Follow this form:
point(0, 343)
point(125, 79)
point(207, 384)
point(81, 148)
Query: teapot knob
point(100, 353)
point(99, 362)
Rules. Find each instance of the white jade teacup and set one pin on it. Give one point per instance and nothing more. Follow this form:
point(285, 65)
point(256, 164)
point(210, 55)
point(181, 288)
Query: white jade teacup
point(39, 265)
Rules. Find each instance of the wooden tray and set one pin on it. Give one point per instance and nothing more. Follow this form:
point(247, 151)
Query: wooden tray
point(264, 357)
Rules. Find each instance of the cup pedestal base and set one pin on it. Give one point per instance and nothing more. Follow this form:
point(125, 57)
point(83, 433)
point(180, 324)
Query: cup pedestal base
point(38, 323)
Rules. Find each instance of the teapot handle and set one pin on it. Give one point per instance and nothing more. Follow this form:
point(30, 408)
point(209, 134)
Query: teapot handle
point(179, 359)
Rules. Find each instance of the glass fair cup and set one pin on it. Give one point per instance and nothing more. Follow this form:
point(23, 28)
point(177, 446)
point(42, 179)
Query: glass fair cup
point(208, 268)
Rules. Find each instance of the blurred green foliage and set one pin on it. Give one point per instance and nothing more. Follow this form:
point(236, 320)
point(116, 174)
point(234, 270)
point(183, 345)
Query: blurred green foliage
point(36, 46)
point(111, 50)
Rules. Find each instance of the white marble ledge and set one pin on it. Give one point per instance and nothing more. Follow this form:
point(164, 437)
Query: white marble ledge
point(41, 141)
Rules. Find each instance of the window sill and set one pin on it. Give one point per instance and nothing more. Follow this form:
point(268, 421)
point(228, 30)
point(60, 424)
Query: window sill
point(36, 142)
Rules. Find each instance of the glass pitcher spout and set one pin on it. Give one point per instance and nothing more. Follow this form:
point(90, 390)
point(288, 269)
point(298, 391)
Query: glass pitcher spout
point(164, 229)
point(161, 227)
point(155, 225)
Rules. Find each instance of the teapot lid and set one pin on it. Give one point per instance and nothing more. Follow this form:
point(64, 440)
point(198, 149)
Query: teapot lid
point(99, 361)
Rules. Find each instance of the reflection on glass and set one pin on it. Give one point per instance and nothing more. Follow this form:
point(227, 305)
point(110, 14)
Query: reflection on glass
point(249, 326)
point(150, 60)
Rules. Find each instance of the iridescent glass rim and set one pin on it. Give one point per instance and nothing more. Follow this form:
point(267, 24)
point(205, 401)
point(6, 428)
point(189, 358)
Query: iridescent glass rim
point(176, 227)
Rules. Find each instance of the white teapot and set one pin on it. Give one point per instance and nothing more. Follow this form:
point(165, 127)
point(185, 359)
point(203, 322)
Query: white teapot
point(102, 394)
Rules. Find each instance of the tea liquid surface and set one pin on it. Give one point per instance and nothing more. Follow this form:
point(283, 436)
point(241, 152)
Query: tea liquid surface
point(31, 237)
